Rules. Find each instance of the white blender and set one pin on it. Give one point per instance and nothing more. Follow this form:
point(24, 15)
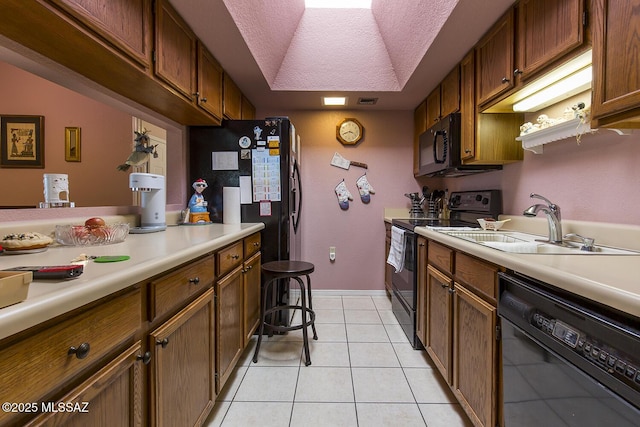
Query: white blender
point(153, 202)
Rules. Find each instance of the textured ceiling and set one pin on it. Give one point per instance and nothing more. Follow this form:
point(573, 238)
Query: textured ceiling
point(284, 57)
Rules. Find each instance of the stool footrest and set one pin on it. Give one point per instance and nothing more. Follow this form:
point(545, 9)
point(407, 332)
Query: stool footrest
point(305, 322)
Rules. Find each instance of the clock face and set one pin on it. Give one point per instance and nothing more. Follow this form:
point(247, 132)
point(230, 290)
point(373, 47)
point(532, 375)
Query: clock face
point(349, 131)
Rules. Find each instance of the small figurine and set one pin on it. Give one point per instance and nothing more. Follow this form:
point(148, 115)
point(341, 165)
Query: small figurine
point(141, 151)
point(197, 204)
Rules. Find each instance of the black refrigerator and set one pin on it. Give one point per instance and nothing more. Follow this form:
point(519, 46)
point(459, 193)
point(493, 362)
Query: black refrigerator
point(262, 158)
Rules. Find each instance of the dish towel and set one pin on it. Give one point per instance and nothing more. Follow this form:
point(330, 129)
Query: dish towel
point(396, 252)
point(518, 248)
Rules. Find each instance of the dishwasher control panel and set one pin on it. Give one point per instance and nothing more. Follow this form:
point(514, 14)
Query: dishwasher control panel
point(606, 357)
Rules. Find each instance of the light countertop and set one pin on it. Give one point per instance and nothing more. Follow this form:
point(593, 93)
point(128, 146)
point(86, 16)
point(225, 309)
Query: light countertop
point(608, 279)
point(151, 254)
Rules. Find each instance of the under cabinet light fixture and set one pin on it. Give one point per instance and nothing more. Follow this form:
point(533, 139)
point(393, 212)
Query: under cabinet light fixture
point(334, 100)
point(568, 86)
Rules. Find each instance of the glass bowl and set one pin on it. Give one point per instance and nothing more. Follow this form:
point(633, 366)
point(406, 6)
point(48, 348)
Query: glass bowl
point(79, 235)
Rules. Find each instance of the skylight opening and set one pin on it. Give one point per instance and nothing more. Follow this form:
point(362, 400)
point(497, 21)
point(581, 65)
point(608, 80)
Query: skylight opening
point(337, 4)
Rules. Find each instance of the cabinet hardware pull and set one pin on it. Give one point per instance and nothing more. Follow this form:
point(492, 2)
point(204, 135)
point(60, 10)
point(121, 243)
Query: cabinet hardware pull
point(81, 351)
point(250, 267)
point(195, 280)
point(163, 343)
point(505, 80)
point(467, 151)
point(256, 244)
point(444, 285)
point(235, 256)
point(517, 71)
point(451, 290)
point(203, 99)
point(421, 244)
point(196, 93)
point(146, 357)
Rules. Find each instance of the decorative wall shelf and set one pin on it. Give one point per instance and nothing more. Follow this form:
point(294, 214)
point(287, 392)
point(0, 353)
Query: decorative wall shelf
point(534, 141)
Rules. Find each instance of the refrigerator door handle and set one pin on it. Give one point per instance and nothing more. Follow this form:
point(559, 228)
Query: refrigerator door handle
point(297, 207)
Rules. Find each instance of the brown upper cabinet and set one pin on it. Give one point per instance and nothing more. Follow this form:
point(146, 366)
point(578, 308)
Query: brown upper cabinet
point(232, 99)
point(548, 30)
point(123, 23)
point(616, 80)
point(175, 51)
point(445, 98)
point(530, 39)
point(248, 110)
point(495, 60)
point(209, 83)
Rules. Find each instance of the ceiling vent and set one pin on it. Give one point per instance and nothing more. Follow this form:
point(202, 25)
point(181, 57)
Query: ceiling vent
point(367, 101)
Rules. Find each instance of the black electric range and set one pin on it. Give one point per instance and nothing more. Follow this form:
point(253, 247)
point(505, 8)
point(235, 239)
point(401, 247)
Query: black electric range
point(466, 208)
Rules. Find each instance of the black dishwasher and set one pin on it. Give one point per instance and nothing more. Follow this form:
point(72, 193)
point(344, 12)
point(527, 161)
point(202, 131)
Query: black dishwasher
point(566, 360)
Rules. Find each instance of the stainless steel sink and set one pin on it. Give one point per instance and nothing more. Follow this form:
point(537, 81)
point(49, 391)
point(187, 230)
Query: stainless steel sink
point(516, 242)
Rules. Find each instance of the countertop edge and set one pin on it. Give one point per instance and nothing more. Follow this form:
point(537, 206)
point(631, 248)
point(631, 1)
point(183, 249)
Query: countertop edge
point(561, 271)
point(33, 311)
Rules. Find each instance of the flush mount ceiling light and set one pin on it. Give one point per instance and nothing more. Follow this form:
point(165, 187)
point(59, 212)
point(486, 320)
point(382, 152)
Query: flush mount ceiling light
point(337, 4)
point(334, 100)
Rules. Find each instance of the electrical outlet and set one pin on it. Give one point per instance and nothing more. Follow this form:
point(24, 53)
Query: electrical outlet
point(332, 253)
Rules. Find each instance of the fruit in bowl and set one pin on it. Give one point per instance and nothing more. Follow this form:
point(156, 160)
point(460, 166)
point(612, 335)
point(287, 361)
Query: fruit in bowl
point(94, 232)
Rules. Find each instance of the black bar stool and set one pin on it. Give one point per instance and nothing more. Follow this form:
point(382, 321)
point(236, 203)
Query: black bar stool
point(273, 272)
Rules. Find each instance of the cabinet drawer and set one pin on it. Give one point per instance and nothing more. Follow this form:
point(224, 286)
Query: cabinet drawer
point(229, 258)
point(440, 256)
point(38, 366)
point(251, 244)
point(174, 289)
point(477, 275)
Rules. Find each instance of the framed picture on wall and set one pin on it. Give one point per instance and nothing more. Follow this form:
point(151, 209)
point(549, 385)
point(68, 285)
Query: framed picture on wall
point(72, 144)
point(22, 141)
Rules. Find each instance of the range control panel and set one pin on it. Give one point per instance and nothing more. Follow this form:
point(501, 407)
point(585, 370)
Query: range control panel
point(622, 366)
point(489, 201)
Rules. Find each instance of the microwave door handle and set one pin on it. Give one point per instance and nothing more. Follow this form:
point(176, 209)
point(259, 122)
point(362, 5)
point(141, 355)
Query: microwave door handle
point(444, 148)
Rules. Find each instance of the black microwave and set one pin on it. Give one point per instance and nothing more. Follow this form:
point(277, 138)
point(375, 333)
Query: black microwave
point(440, 149)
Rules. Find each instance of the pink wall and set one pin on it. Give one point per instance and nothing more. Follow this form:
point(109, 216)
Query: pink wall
point(594, 181)
point(357, 233)
point(106, 138)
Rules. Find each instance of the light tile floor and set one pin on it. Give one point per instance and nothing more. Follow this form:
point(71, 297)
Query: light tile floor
point(364, 373)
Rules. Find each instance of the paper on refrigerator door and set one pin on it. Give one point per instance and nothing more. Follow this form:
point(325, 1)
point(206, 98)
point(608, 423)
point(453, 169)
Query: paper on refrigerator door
point(245, 190)
point(265, 172)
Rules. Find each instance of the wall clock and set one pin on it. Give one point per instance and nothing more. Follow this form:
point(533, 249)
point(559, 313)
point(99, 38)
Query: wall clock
point(349, 131)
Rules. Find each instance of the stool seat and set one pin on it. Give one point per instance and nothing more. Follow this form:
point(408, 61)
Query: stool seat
point(288, 268)
point(277, 270)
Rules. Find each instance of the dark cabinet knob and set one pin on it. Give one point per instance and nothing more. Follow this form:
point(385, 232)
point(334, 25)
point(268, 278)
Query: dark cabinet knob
point(81, 351)
point(146, 357)
point(235, 256)
point(517, 71)
point(194, 280)
point(163, 343)
point(203, 99)
point(505, 80)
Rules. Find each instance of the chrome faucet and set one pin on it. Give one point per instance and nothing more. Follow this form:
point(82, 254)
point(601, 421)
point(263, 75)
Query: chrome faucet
point(552, 211)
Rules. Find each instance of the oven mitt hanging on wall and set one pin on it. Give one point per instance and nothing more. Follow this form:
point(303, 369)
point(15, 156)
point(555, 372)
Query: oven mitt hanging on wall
point(343, 195)
point(365, 188)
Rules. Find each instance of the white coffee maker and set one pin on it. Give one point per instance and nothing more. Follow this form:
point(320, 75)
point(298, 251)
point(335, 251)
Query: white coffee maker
point(153, 202)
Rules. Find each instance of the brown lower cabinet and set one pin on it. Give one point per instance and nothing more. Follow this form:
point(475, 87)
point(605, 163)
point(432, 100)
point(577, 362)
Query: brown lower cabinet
point(458, 311)
point(154, 354)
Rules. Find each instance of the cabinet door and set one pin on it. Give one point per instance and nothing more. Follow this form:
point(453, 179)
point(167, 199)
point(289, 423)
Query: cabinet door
point(421, 309)
point(182, 366)
point(251, 298)
point(439, 321)
point(232, 99)
point(175, 50)
point(475, 355)
point(616, 80)
point(494, 59)
point(248, 111)
point(124, 23)
point(433, 107)
point(114, 393)
point(209, 82)
point(419, 127)
point(468, 106)
point(229, 321)
point(547, 31)
point(450, 93)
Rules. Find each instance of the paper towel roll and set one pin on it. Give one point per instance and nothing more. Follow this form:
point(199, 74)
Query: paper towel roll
point(231, 205)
